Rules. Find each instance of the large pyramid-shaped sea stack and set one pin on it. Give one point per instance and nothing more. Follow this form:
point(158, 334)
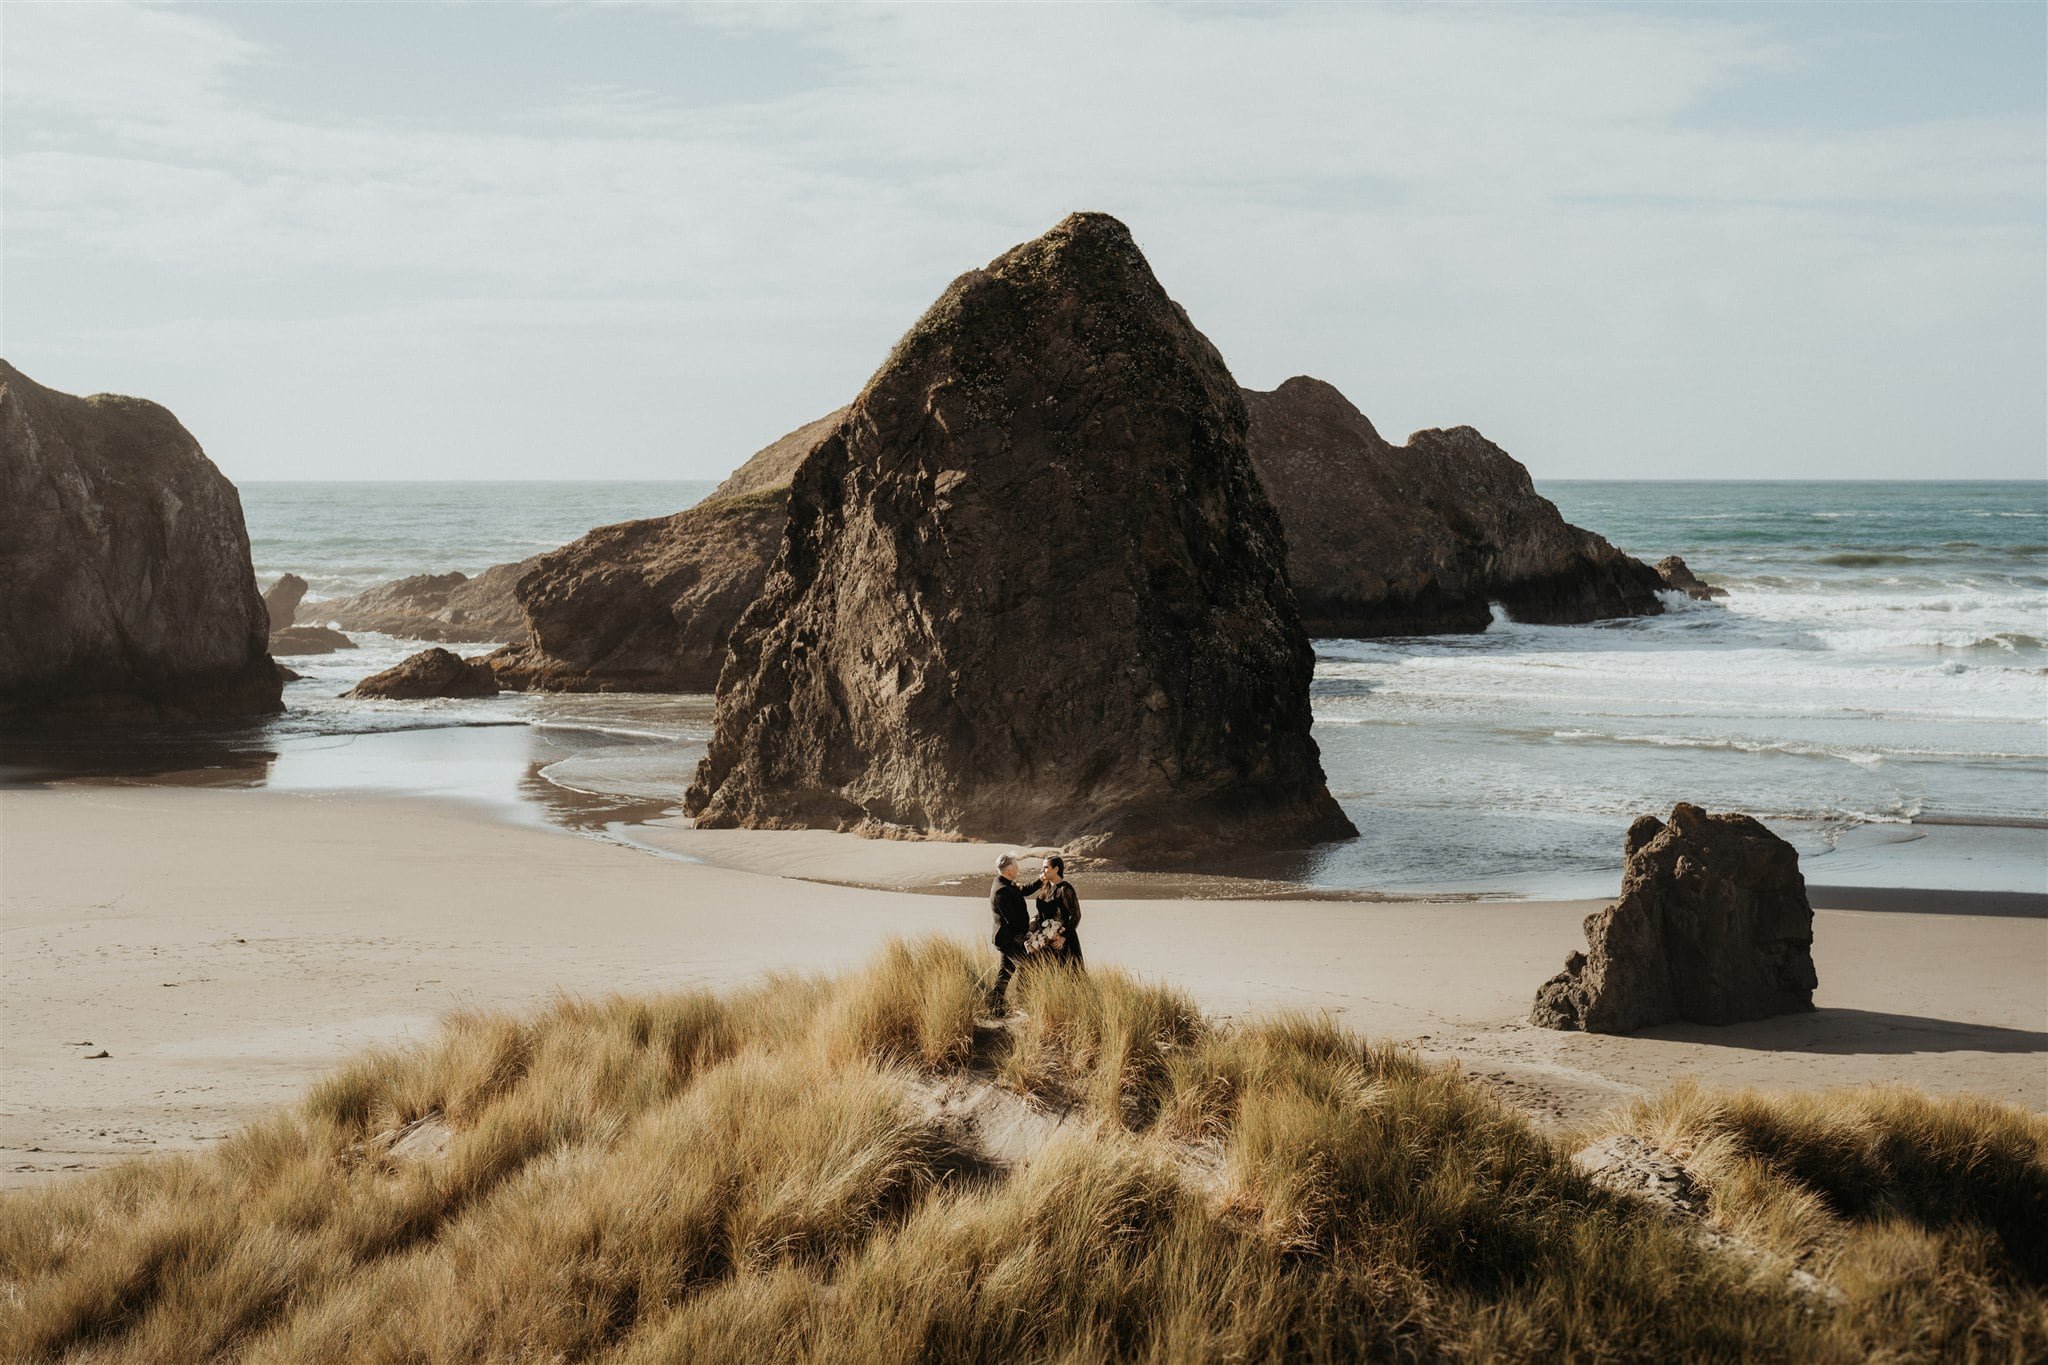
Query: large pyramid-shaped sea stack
point(1031, 590)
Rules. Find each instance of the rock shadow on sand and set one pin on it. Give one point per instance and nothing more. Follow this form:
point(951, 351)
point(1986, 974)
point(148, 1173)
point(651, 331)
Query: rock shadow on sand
point(1853, 1032)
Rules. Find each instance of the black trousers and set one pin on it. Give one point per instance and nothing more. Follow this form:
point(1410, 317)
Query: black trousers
point(1000, 992)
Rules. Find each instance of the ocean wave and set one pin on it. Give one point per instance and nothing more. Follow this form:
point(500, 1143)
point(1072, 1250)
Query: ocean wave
point(1793, 748)
point(1879, 639)
point(609, 730)
point(1867, 559)
point(1862, 757)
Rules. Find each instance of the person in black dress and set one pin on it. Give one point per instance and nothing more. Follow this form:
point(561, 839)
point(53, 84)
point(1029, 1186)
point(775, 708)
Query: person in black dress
point(1057, 900)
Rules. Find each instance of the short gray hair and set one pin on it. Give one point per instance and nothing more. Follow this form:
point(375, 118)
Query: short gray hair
point(1006, 860)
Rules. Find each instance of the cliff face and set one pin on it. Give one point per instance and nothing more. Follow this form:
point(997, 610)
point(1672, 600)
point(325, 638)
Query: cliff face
point(125, 581)
point(647, 606)
point(1420, 539)
point(1030, 589)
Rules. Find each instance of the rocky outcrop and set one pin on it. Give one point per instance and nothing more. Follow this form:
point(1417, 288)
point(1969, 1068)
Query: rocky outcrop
point(1713, 927)
point(125, 581)
point(281, 603)
point(429, 673)
point(770, 469)
point(297, 640)
point(1030, 589)
point(1676, 576)
point(1417, 539)
point(1422, 538)
point(451, 607)
point(647, 606)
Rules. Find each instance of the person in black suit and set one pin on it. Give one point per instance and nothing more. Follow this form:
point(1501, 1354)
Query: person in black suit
point(1006, 901)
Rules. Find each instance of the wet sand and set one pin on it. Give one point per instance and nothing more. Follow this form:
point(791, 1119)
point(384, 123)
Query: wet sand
point(225, 947)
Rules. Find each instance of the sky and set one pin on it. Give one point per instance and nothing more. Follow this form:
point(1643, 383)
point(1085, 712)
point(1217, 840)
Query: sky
point(638, 242)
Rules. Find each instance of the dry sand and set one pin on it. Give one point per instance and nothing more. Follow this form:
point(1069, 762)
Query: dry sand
point(225, 947)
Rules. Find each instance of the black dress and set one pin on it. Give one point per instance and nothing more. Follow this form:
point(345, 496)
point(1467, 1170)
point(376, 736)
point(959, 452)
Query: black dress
point(1061, 902)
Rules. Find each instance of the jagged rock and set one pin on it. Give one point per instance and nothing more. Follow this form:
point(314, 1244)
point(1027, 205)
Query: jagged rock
point(282, 602)
point(647, 606)
point(450, 607)
point(125, 581)
point(1713, 926)
point(1030, 589)
point(299, 640)
point(1677, 576)
point(1423, 538)
point(429, 673)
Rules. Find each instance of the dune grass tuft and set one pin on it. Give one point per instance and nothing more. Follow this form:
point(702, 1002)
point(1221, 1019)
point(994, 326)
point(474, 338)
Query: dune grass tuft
point(1929, 1215)
point(764, 1175)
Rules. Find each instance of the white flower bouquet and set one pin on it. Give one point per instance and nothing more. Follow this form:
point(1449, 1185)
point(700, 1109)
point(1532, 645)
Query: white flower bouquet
point(1049, 937)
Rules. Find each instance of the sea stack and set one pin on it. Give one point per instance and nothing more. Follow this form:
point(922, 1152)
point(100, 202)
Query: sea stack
point(281, 602)
point(450, 607)
point(1422, 538)
point(1031, 590)
point(1679, 577)
point(1713, 927)
point(125, 580)
point(648, 606)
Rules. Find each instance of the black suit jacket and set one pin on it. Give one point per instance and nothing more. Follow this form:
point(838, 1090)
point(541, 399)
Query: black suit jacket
point(1012, 915)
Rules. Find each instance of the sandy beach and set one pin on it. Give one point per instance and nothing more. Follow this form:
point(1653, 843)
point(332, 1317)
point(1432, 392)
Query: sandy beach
point(224, 947)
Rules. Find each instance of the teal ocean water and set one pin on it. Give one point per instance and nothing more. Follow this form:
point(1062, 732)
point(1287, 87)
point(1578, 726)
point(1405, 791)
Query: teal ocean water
point(1875, 685)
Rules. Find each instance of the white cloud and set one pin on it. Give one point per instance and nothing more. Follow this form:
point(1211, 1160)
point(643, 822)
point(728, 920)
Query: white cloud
point(1506, 215)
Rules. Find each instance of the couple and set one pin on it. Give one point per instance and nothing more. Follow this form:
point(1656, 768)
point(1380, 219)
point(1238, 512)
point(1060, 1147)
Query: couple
point(1053, 934)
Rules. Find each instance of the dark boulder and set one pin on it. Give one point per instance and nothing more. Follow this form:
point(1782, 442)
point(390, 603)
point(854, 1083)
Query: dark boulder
point(282, 601)
point(1423, 538)
point(429, 673)
point(298, 640)
point(1030, 590)
point(450, 607)
point(647, 606)
point(125, 581)
point(1713, 927)
point(1679, 578)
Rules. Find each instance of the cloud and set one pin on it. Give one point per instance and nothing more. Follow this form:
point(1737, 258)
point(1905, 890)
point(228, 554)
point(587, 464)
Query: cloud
point(1522, 217)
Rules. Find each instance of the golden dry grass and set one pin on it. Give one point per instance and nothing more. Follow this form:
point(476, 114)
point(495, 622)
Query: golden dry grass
point(755, 1176)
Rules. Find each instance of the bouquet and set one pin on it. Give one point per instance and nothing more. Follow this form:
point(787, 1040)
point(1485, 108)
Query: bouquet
point(1049, 937)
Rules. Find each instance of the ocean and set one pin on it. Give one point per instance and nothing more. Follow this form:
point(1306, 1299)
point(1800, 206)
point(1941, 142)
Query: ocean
point(1875, 687)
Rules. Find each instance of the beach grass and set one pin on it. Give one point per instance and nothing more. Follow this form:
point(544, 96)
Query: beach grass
point(766, 1175)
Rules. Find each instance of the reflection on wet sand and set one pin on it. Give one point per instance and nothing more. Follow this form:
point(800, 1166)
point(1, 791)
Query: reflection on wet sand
point(517, 770)
point(181, 757)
